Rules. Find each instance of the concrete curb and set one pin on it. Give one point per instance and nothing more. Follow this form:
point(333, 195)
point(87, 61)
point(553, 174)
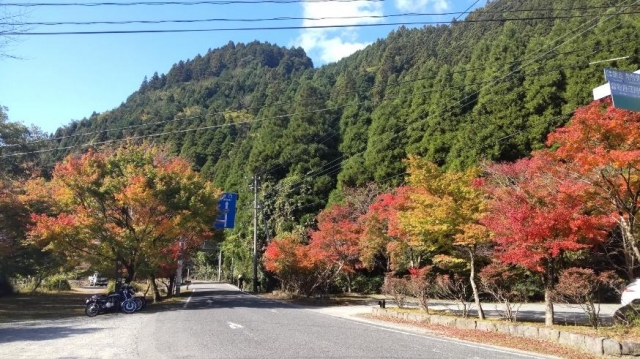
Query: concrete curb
point(606, 347)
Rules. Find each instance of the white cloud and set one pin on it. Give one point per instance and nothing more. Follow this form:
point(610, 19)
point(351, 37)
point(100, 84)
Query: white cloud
point(332, 44)
point(419, 5)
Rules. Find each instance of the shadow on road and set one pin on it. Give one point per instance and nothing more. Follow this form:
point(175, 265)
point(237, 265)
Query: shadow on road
point(39, 333)
point(210, 299)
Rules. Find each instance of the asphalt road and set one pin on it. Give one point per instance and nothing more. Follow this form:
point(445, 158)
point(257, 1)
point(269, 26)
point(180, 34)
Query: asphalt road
point(221, 322)
point(218, 321)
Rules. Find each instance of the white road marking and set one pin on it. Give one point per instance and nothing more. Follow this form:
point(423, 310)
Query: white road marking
point(188, 300)
point(234, 325)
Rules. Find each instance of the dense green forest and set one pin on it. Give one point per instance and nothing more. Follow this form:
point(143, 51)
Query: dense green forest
point(490, 87)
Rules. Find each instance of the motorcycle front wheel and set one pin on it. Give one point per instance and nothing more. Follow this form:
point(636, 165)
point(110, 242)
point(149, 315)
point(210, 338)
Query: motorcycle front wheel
point(92, 309)
point(128, 306)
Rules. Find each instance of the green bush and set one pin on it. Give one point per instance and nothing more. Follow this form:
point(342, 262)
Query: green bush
point(367, 285)
point(57, 282)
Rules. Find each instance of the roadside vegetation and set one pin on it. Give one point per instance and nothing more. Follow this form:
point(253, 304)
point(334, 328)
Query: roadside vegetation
point(558, 226)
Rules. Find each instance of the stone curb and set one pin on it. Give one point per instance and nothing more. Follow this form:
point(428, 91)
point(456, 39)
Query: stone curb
point(602, 346)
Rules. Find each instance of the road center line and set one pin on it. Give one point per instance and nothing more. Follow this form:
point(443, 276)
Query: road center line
point(234, 325)
point(189, 299)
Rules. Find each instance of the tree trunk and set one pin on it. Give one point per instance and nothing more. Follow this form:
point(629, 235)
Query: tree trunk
point(156, 292)
point(472, 280)
point(629, 243)
point(38, 281)
point(130, 273)
point(548, 302)
point(170, 287)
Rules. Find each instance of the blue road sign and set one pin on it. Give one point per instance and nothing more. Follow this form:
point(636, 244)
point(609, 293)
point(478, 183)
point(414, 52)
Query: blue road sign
point(625, 89)
point(227, 208)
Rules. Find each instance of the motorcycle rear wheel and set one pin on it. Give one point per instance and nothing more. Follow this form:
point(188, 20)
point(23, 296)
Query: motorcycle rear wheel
point(139, 303)
point(128, 306)
point(92, 309)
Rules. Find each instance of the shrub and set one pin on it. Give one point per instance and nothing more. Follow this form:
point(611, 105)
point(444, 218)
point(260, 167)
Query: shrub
point(421, 285)
point(454, 288)
point(507, 285)
point(583, 286)
point(57, 282)
point(397, 288)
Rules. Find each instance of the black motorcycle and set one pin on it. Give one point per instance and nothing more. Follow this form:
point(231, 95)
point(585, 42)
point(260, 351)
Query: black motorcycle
point(122, 300)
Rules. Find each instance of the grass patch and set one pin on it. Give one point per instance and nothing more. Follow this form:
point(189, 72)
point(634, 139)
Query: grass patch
point(67, 304)
point(324, 300)
point(54, 305)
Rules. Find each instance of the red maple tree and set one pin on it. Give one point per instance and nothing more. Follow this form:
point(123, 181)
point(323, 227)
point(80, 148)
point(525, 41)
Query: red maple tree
point(335, 244)
point(536, 214)
point(601, 147)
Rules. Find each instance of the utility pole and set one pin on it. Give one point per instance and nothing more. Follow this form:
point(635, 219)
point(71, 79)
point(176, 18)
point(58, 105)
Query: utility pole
point(179, 270)
point(255, 233)
point(219, 262)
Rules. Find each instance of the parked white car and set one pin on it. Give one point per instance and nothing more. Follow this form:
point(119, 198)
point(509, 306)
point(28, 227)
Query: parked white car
point(96, 279)
point(631, 292)
point(630, 300)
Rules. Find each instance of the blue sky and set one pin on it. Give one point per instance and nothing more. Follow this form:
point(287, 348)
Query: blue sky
point(57, 79)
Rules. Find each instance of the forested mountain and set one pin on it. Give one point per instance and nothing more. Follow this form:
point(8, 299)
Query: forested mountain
point(489, 87)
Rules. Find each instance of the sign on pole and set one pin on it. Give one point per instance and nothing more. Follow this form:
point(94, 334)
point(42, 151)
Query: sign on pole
point(625, 89)
point(227, 208)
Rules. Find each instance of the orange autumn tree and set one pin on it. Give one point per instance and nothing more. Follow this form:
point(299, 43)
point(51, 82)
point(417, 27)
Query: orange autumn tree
point(443, 215)
point(383, 238)
point(130, 204)
point(601, 146)
point(288, 259)
point(536, 215)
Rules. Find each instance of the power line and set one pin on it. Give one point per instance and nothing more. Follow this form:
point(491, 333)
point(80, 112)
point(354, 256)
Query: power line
point(289, 18)
point(301, 27)
point(186, 3)
point(469, 8)
point(168, 133)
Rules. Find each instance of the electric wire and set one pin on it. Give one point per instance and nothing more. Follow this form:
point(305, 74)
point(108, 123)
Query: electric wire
point(185, 3)
point(290, 18)
point(292, 27)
